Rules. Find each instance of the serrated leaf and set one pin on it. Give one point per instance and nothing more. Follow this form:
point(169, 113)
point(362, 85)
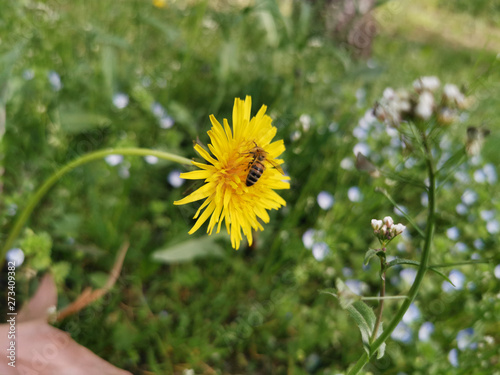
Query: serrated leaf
point(190, 249)
point(365, 319)
point(362, 314)
point(368, 255)
point(410, 262)
point(345, 295)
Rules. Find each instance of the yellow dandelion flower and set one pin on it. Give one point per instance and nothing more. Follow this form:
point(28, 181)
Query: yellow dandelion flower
point(160, 3)
point(227, 196)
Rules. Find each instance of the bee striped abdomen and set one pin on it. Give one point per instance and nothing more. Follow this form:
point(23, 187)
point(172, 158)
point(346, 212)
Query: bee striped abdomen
point(255, 173)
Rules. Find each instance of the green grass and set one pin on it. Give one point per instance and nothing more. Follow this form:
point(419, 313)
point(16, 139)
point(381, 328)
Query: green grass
point(256, 310)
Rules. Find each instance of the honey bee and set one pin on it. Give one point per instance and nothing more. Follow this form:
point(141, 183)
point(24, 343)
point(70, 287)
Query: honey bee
point(257, 167)
point(475, 139)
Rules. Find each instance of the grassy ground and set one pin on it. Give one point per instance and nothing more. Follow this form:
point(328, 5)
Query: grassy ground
point(256, 310)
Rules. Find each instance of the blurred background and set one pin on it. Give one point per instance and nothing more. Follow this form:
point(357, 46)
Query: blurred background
point(78, 76)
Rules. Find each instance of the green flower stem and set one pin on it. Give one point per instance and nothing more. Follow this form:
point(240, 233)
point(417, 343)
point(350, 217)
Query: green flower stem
point(383, 267)
point(465, 263)
point(39, 194)
point(378, 299)
point(363, 360)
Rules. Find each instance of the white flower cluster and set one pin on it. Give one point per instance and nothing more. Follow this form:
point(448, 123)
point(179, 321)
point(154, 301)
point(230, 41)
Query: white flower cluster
point(393, 106)
point(386, 230)
point(397, 106)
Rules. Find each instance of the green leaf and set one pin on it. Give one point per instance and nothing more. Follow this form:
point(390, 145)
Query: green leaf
point(399, 261)
point(362, 314)
point(170, 32)
point(190, 249)
point(107, 39)
point(368, 255)
point(345, 295)
point(37, 249)
point(329, 291)
point(440, 274)
point(410, 262)
point(108, 66)
point(269, 24)
point(60, 271)
point(7, 62)
point(365, 319)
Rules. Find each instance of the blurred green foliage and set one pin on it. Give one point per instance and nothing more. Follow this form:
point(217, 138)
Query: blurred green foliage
point(487, 9)
point(256, 310)
point(37, 248)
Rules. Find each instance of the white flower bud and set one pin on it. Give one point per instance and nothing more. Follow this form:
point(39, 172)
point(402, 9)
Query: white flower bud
point(425, 106)
point(430, 83)
point(398, 229)
point(389, 93)
point(388, 221)
point(404, 105)
point(376, 224)
point(452, 94)
point(403, 95)
point(388, 112)
point(447, 116)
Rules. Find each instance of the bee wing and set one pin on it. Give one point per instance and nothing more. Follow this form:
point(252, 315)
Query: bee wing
point(276, 165)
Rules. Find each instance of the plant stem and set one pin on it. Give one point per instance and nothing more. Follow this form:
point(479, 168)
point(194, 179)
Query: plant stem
point(42, 190)
point(380, 298)
point(464, 263)
point(363, 360)
point(382, 295)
